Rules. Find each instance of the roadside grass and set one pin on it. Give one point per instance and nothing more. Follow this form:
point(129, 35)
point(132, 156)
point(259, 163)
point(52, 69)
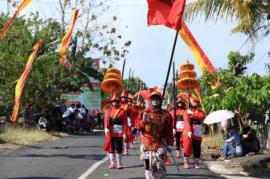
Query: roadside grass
point(15, 135)
point(214, 141)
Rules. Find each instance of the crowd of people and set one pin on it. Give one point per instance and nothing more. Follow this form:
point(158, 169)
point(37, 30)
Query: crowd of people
point(74, 118)
point(238, 144)
point(160, 131)
point(178, 129)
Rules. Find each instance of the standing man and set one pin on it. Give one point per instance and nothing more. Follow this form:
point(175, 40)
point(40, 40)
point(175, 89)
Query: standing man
point(178, 123)
point(156, 136)
point(115, 124)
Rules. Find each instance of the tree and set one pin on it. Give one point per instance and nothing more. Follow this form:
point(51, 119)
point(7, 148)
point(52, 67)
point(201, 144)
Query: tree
point(48, 78)
point(239, 93)
point(252, 16)
point(134, 84)
point(93, 35)
point(238, 63)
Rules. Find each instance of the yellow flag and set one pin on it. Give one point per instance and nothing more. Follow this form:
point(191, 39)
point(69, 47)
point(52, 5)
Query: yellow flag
point(66, 39)
point(21, 82)
point(7, 26)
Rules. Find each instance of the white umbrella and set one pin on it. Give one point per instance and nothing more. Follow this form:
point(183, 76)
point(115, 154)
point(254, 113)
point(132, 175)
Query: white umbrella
point(218, 116)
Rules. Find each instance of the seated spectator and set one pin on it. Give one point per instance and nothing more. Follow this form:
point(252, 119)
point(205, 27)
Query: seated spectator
point(232, 146)
point(250, 140)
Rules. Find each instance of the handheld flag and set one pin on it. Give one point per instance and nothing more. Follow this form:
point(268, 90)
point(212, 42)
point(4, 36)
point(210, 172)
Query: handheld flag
point(166, 12)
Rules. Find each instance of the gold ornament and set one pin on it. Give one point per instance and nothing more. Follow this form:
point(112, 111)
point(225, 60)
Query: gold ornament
point(112, 82)
point(187, 77)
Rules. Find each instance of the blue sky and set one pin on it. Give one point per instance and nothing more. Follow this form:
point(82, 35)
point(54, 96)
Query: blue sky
point(151, 46)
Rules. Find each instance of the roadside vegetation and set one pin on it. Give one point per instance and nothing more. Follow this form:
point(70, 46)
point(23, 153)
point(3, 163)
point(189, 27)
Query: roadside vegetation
point(11, 136)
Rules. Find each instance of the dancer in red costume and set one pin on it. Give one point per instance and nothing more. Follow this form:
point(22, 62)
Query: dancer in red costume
point(178, 122)
point(196, 120)
point(192, 134)
point(115, 124)
point(128, 108)
point(156, 136)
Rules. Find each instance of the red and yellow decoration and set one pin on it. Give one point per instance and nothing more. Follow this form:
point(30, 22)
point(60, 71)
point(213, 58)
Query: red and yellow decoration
point(21, 82)
point(112, 82)
point(67, 38)
point(187, 77)
point(7, 26)
point(199, 55)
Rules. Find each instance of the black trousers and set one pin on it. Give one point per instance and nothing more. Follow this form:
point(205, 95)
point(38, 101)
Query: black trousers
point(177, 138)
point(196, 147)
point(117, 144)
point(146, 164)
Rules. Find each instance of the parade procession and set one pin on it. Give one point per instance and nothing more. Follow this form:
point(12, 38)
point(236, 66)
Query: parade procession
point(133, 89)
point(177, 128)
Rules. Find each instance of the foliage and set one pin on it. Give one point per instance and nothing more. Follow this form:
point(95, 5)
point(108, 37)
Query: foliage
point(247, 95)
point(251, 16)
point(134, 84)
point(48, 78)
point(102, 38)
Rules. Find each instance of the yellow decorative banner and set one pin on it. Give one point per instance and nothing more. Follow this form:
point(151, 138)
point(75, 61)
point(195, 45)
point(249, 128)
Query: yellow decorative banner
point(21, 82)
point(66, 39)
point(20, 8)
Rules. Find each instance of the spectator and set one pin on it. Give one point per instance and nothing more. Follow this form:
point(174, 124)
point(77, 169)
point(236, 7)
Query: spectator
point(62, 107)
point(232, 146)
point(70, 110)
point(28, 114)
point(267, 116)
point(250, 140)
point(99, 121)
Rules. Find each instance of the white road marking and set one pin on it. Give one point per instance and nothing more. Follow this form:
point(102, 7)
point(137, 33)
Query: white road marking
point(93, 167)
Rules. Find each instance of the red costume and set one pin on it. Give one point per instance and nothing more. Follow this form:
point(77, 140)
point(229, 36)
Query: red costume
point(115, 124)
point(178, 123)
point(157, 132)
point(155, 127)
point(116, 121)
point(130, 122)
point(193, 124)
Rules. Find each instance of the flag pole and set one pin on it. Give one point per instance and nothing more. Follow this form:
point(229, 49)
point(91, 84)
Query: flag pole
point(128, 82)
point(170, 63)
point(123, 68)
point(174, 93)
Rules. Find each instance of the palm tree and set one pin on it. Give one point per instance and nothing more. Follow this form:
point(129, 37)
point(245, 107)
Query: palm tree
point(252, 16)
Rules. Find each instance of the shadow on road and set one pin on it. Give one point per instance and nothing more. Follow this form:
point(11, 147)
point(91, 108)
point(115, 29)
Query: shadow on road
point(34, 178)
point(186, 176)
point(88, 157)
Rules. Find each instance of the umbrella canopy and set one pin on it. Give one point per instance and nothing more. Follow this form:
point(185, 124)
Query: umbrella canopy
point(218, 116)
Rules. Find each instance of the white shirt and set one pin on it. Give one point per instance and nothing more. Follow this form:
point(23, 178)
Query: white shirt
point(69, 111)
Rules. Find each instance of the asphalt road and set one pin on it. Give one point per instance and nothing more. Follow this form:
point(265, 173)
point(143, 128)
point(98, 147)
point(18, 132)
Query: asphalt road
point(79, 157)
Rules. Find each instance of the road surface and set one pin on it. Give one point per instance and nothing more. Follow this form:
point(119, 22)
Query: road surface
point(79, 156)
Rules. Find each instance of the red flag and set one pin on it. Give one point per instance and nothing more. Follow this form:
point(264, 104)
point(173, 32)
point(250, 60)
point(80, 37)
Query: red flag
point(166, 12)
